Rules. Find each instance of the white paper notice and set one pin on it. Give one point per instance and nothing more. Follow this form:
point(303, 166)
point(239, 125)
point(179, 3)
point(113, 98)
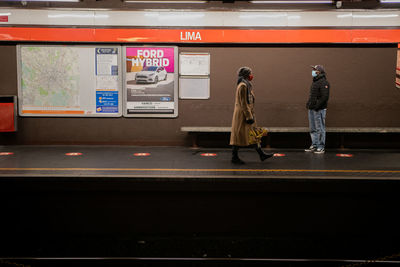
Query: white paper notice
point(105, 63)
point(107, 82)
point(194, 64)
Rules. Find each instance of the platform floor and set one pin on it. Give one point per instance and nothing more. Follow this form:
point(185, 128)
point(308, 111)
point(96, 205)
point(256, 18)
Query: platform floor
point(186, 163)
point(108, 207)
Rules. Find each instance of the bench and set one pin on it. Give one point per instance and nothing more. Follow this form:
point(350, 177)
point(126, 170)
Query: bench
point(193, 131)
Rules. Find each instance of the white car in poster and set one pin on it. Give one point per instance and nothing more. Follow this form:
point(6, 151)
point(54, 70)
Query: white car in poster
point(151, 74)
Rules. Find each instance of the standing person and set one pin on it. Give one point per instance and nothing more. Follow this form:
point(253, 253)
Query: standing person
point(243, 116)
point(316, 105)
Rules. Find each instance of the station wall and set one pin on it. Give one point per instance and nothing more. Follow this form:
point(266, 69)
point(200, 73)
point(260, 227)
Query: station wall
point(363, 94)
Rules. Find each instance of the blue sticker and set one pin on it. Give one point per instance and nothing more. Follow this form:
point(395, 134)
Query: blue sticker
point(164, 98)
point(106, 102)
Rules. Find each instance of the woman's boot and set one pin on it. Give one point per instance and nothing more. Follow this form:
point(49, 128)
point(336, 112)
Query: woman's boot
point(235, 156)
point(262, 154)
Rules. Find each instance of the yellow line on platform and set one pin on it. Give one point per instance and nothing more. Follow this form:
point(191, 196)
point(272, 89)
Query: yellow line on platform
point(197, 170)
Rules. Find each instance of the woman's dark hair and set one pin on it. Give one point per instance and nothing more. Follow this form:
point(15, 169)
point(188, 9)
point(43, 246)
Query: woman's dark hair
point(244, 72)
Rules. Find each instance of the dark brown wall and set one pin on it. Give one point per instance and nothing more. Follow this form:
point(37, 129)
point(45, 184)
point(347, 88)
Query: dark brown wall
point(363, 93)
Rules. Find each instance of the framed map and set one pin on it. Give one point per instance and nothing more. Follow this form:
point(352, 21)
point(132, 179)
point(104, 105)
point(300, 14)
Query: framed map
point(59, 80)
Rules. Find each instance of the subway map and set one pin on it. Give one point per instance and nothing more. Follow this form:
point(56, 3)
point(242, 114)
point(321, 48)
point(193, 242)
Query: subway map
point(50, 77)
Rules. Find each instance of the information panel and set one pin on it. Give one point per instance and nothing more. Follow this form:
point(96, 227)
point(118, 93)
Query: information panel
point(151, 81)
point(192, 87)
point(58, 80)
point(194, 64)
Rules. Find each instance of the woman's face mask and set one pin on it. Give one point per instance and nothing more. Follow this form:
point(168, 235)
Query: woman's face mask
point(251, 77)
point(314, 73)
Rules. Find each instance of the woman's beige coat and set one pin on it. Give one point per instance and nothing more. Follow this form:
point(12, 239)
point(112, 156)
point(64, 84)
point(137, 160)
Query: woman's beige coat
point(243, 111)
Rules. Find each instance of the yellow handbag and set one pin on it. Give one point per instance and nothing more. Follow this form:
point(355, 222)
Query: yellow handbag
point(255, 134)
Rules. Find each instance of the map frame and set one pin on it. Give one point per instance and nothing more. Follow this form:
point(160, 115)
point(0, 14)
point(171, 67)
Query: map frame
point(119, 87)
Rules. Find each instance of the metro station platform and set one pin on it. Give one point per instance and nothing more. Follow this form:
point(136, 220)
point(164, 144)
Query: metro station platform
point(175, 206)
point(179, 163)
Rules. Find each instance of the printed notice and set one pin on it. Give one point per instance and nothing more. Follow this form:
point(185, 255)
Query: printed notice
point(194, 64)
point(107, 61)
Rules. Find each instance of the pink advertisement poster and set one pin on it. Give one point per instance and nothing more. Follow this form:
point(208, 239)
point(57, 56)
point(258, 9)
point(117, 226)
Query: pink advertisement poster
point(156, 56)
point(150, 82)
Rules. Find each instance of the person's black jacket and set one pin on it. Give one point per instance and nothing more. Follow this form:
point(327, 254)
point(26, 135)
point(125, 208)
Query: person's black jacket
point(319, 93)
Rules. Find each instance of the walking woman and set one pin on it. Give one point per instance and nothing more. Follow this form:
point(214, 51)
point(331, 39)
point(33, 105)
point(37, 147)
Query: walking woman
point(244, 117)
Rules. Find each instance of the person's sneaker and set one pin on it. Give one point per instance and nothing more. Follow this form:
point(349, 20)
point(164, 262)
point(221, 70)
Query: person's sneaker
point(319, 151)
point(310, 149)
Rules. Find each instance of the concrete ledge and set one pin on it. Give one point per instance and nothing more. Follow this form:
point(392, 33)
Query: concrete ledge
point(195, 130)
point(206, 129)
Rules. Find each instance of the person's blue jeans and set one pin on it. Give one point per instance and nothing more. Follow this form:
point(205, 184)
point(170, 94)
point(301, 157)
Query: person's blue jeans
point(317, 127)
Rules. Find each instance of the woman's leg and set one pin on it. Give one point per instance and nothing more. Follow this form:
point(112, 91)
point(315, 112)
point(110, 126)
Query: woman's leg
point(261, 153)
point(235, 155)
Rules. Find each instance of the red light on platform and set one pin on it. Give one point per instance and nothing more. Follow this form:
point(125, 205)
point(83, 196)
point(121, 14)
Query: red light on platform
point(208, 154)
point(141, 154)
point(345, 155)
point(73, 154)
point(279, 155)
point(6, 153)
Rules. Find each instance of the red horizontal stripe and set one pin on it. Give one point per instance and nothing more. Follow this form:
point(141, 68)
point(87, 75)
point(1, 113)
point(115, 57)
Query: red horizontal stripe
point(204, 35)
point(47, 34)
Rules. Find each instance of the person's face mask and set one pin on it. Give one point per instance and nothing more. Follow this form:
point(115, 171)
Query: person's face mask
point(314, 73)
point(251, 77)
